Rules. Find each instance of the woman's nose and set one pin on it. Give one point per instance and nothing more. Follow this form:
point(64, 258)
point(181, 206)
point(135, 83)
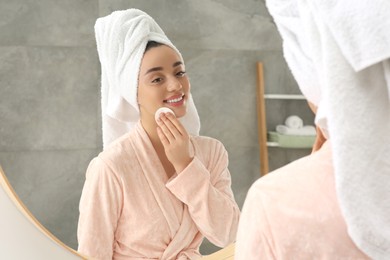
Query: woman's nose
point(174, 84)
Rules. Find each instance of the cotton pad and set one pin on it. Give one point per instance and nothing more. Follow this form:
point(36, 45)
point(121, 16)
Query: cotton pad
point(162, 110)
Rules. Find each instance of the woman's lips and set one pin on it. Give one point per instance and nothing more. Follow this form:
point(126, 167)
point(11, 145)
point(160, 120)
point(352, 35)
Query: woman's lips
point(175, 101)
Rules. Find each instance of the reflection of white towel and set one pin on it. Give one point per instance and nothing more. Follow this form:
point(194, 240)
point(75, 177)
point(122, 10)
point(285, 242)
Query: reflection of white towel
point(346, 43)
point(306, 130)
point(121, 39)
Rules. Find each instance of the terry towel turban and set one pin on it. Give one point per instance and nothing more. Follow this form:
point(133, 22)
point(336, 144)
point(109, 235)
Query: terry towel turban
point(121, 39)
point(339, 54)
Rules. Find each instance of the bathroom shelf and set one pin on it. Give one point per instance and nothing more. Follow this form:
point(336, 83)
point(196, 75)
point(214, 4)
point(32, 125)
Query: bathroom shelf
point(276, 139)
point(284, 96)
point(264, 142)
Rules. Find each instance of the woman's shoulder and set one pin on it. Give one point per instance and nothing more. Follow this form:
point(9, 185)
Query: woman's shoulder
point(310, 173)
point(117, 152)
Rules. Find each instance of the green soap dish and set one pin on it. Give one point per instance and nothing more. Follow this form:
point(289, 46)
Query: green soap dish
point(290, 141)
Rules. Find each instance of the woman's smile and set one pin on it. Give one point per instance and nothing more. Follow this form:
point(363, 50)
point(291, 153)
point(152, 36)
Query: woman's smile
point(175, 101)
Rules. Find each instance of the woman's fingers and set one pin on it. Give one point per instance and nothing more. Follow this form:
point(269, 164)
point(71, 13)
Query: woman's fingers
point(168, 121)
point(179, 127)
point(175, 140)
point(169, 127)
point(163, 138)
point(165, 130)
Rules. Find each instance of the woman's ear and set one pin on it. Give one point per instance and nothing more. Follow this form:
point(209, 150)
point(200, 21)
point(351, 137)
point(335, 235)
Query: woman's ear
point(312, 107)
point(319, 141)
point(320, 138)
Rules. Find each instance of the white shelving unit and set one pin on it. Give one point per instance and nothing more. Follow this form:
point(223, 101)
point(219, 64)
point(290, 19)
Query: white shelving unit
point(261, 117)
point(284, 96)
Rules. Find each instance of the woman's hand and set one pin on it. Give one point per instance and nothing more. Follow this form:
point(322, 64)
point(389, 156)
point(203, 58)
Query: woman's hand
point(175, 140)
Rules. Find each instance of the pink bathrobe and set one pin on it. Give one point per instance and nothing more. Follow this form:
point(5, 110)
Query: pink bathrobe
point(129, 209)
point(293, 213)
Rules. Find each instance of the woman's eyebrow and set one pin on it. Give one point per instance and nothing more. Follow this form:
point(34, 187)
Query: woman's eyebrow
point(177, 63)
point(153, 69)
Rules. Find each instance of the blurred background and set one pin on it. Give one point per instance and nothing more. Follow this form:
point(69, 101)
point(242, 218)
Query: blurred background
point(50, 119)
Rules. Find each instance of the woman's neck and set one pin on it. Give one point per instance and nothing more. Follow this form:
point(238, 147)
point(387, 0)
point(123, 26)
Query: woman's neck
point(150, 127)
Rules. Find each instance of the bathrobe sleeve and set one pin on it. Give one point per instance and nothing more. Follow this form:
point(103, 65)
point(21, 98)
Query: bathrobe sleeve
point(100, 208)
point(205, 187)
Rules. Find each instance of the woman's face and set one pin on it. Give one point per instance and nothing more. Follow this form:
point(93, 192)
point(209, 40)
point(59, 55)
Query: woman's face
point(162, 82)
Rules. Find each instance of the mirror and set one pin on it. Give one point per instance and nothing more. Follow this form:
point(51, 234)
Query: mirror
point(50, 91)
point(22, 236)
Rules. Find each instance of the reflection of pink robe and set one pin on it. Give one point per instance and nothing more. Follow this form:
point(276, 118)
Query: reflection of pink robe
point(293, 213)
point(130, 210)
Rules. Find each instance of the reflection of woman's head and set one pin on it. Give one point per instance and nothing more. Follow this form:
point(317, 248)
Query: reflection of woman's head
point(122, 38)
point(152, 44)
point(162, 81)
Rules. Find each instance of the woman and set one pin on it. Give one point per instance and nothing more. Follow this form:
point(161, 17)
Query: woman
point(157, 190)
point(293, 213)
point(334, 203)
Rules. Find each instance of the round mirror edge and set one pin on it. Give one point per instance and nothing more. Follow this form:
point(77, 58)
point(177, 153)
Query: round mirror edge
point(4, 182)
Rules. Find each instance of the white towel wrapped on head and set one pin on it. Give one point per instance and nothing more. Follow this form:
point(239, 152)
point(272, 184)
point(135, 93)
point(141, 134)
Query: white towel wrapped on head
point(121, 39)
point(339, 51)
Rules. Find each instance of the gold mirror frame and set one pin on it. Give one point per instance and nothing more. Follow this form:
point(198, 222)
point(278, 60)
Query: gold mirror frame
point(58, 247)
point(61, 248)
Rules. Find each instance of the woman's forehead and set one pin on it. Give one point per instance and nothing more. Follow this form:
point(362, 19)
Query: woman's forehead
point(161, 56)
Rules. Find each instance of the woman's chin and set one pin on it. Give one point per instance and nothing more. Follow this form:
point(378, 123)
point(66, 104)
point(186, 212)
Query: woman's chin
point(180, 115)
point(180, 112)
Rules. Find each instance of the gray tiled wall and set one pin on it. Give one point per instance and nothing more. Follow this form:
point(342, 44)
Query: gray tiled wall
point(50, 98)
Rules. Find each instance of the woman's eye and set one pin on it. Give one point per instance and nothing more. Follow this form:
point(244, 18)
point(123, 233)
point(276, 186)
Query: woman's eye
point(157, 80)
point(180, 73)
